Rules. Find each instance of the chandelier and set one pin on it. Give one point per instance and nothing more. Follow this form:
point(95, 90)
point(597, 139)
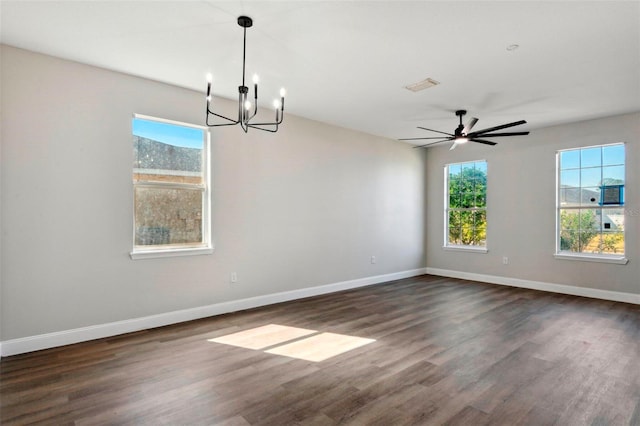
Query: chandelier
point(247, 109)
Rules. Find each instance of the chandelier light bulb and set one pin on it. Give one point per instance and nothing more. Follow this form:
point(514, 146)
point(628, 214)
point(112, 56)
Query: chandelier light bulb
point(209, 78)
point(247, 105)
point(256, 79)
point(282, 92)
point(276, 104)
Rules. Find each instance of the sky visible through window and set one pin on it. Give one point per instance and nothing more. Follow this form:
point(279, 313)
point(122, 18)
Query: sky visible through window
point(592, 166)
point(170, 134)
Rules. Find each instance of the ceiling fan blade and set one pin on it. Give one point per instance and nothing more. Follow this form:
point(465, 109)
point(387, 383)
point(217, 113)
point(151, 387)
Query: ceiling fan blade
point(453, 145)
point(469, 125)
point(484, 135)
point(437, 131)
point(433, 143)
point(491, 129)
point(483, 141)
point(418, 139)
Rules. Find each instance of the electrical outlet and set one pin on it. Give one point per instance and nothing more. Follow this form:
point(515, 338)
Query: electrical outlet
point(234, 277)
point(505, 260)
point(373, 260)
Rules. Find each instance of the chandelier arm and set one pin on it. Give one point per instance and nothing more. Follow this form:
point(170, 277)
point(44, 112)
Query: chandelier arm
point(255, 111)
point(275, 123)
point(210, 113)
point(279, 118)
point(254, 126)
point(233, 122)
point(255, 100)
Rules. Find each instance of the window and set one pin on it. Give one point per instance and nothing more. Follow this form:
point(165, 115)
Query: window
point(466, 205)
point(590, 206)
point(170, 188)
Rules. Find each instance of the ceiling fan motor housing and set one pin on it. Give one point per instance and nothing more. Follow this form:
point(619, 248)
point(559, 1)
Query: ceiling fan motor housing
point(458, 132)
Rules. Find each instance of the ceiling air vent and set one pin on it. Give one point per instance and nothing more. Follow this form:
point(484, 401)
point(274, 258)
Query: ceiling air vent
point(421, 85)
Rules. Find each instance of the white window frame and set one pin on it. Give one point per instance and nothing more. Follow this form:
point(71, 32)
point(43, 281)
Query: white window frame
point(204, 247)
point(460, 247)
point(586, 257)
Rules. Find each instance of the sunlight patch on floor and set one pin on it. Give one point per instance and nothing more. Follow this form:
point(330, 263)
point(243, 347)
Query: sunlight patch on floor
point(293, 343)
point(263, 337)
point(320, 347)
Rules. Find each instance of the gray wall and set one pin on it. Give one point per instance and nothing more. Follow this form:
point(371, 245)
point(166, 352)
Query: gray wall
point(304, 207)
point(521, 206)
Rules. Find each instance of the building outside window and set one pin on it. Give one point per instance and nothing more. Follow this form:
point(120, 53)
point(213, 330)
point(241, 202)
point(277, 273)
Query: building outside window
point(590, 203)
point(466, 205)
point(170, 188)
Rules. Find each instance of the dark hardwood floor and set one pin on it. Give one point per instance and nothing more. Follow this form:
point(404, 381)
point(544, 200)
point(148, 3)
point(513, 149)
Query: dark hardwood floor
point(447, 351)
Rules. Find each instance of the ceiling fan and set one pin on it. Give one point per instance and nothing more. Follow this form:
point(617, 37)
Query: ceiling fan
point(463, 134)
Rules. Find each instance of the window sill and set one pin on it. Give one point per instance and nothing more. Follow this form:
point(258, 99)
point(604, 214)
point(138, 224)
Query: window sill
point(617, 260)
point(473, 249)
point(172, 252)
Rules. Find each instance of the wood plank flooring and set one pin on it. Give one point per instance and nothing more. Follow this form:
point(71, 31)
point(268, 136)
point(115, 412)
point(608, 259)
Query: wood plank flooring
point(446, 351)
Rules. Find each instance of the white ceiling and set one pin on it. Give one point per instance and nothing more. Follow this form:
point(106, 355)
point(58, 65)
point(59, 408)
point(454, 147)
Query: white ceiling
point(346, 62)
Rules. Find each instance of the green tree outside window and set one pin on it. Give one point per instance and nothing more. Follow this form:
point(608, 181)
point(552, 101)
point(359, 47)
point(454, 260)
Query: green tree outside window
point(466, 212)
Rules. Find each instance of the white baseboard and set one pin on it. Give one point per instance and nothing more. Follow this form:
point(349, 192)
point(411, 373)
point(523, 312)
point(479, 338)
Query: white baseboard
point(595, 293)
point(67, 337)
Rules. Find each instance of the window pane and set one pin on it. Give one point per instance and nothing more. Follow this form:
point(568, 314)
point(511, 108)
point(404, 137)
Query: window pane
point(481, 168)
point(613, 155)
point(612, 220)
point(590, 196)
point(480, 231)
point(591, 177)
point(166, 152)
point(589, 220)
point(591, 157)
point(480, 186)
point(570, 219)
point(481, 200)
point(167, 216)
point(455, 231)
point(569, 240)
point(467, 170)
point(589, 242)
point(455, 235)
point(454, 200)
point(467, 227)
point(454, 170)
point(581, 231)
point(570, 197)
point(570, 178)
point(467, 200)
point(470, 185)
point(569, 160)
point(454, 218)
point(613, 175)
point(613, 242)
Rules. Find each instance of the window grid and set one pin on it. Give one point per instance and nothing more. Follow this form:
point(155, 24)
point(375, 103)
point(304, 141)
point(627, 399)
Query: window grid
point(590, 212)
point(465, 211)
